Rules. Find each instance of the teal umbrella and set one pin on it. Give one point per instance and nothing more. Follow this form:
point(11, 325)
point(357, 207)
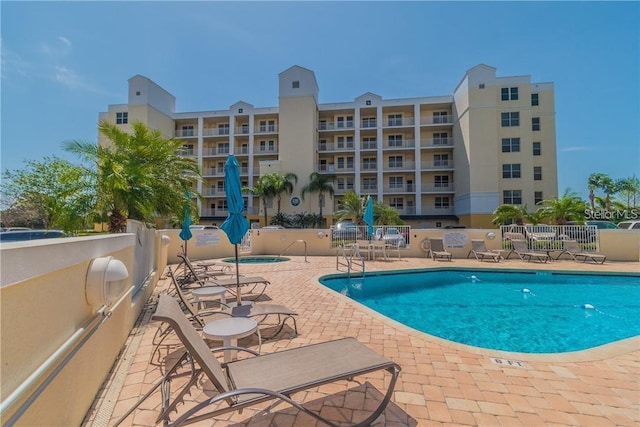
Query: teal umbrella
point(368, 216)
point(236, 225)
point(185, 233)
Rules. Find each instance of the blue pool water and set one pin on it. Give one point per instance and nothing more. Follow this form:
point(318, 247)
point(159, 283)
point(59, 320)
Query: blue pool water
point(528, 312)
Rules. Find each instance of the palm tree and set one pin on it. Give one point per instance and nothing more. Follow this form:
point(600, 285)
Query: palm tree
point(516, 214)
point(386, 215)
point(263, 190)
point(594, 183)
point(560, 210)
point(351, 205)
point(629, 187)
point(319, 184)
point(281, 184)
point(139, 175)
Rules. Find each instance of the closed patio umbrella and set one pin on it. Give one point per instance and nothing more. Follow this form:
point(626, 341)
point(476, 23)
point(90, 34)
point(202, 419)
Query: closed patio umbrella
point(236, 225)
point(185, 233)
point(368, 216)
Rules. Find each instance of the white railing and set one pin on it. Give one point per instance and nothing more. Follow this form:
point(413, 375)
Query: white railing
point(266, 129)
point(185, 133)
point(406, 188)
point(436, 211)
point(436, 120)
point(405, 165)
point(437, 188)
point(396, 122)
point(549, 238)
point(436, 164)
point(347, 124)
point(405, 143)
point(215, 131)
point(335, 146)
point(436, 142)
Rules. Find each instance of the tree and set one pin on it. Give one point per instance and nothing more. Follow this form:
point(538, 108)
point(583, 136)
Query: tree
point(601, 181)
point(52, 192)
point(351, 205)
point(263, 190)
point(510, 214)
point(629, 187)
point(281, 184)
point(139, 175)
point(386, 215)
point(560, 210)
point(319, 183)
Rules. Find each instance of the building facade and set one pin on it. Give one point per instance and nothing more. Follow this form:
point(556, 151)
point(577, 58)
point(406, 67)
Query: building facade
point(440, 160)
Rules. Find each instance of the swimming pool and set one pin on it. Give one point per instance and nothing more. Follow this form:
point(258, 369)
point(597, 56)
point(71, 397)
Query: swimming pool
point(520, 311)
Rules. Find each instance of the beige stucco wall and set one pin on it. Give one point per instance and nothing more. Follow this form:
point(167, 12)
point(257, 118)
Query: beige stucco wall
point(620, 245)
point(43, 304)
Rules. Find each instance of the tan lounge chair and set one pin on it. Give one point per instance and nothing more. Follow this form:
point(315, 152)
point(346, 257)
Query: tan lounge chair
point(572, 248)
point(261, 311)
point(198, 273)
point(480, 251)
point(520, 248)
point(275, 376)
point(437, 250)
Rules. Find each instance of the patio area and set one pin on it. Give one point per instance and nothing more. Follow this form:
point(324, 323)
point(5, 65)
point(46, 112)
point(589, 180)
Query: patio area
point(441, 383)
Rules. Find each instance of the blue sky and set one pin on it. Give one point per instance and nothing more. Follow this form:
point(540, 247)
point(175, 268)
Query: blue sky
point(64, 62)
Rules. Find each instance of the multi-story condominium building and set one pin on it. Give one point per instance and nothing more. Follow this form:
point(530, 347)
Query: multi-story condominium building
point(439, 160)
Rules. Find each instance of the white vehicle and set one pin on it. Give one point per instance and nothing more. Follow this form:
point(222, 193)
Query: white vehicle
point(629, 225)
point(203, 227)
point(391, 235)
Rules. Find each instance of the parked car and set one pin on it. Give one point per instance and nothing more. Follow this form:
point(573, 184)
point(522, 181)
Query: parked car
point(346, 230)
point(391, 235)
point(602, 225)
point(15, 229)
point(203, 227)
point(629, 225)
point(24, 235)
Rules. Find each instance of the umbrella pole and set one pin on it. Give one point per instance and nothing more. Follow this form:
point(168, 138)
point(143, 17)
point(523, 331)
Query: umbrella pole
point(238, 296)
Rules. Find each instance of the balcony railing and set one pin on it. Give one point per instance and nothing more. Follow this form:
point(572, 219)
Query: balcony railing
point(436, 142)
point(397, 122)
point(437, 188)
point(406, 188)
point(369, 189)
point(213, 172)
point(369, 167)
point(214, 212)
point(242, 130)
point(347, 124)
point(266, 129)
point(436, 164)
point(404, 165)
point(343, 189)
point(436, 120)
point(431, 210)
point(186, 133)
point(266, 150)
point(369, 145)
point(335, 146)
point(215, 131)
point(405, 143)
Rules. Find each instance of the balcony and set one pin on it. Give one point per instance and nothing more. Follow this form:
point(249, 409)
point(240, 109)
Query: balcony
point(431, 187)
point(405, 165)
point(214, 212)
point(328, 126)
point(436, 120)
point(369, 145)
point(263, 129)
point(436, 165)
point(215, 131)
point(264, 151)
point(368, 167)
point(399, 122)
point(186, 133)
point(406, 188)
point(336, 146)
point(398, 145)
point(436, 142)
point(339, 190)
point(212, 172)
point(212, 192)
point(437, 211)
point(242, 130)
point(369, 189)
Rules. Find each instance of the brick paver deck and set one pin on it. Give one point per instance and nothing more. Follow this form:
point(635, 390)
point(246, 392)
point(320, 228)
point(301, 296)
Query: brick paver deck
point(441, 383)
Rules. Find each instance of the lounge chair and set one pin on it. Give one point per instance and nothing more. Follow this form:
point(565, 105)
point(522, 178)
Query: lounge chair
point(572, 248)
point(437, 250)
point(261, 311)
point(276, 376)
point(520, 248)
point(480, 251)
point(198, 273)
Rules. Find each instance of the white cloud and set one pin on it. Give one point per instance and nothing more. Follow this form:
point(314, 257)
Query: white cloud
point(61, 47)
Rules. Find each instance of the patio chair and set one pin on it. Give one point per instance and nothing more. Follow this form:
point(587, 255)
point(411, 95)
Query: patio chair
point(437, 250)
point(480, 251)
point(261, 311)
point(276, 376)
point(365, 247)
point(198, 273)
point(520, 248)
point(572, 248)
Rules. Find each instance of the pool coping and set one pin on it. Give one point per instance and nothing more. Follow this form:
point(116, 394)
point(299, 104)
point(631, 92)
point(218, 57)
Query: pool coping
point(601, 352)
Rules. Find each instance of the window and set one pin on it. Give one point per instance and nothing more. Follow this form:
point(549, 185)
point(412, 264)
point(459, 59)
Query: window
point(350, 162)
point(369, 183)
point(240, 110)
point(442, 202)
point(510, 119)
point(369, 122)
point(223, 148)
point(537, 173)
point(535, 123)
point(440, 116)
point(222, 204)
point(535, 100)
point(187, 150)
point(395, 140)
point(244, 149)
point(395, 119)
point(396, 182)
point(369, 163)
point(511, 170)
point(510, 145)
point(509, 93)
point(512, 197)
point(345, 183)
point(369, 143)
point(223, 129)
point(263, 145)
point(397, 202)
point(395, 161)
point(537, 197)
point(122, 118)
point(322, 124)
point(295, 84)
point(263, 126)
point(244, 128)
point(272, 145)
point(187, 130)
point(322, 145)
point(349, 142)
point(220, 185)
point(440, 138)
point(368, 102)
point(440, 160)
point(272, 126)
point(340, 142)
point(344, 121)
point(441, 181)
point(340, 183)
point(537, 148)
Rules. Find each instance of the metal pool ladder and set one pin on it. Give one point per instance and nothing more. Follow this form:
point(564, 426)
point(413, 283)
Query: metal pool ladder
point(352, 259)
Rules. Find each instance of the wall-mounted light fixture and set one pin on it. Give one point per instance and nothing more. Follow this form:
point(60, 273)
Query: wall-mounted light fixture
point(320, 234)
point(491, 235)
point(104, 281)
point(165, 240)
